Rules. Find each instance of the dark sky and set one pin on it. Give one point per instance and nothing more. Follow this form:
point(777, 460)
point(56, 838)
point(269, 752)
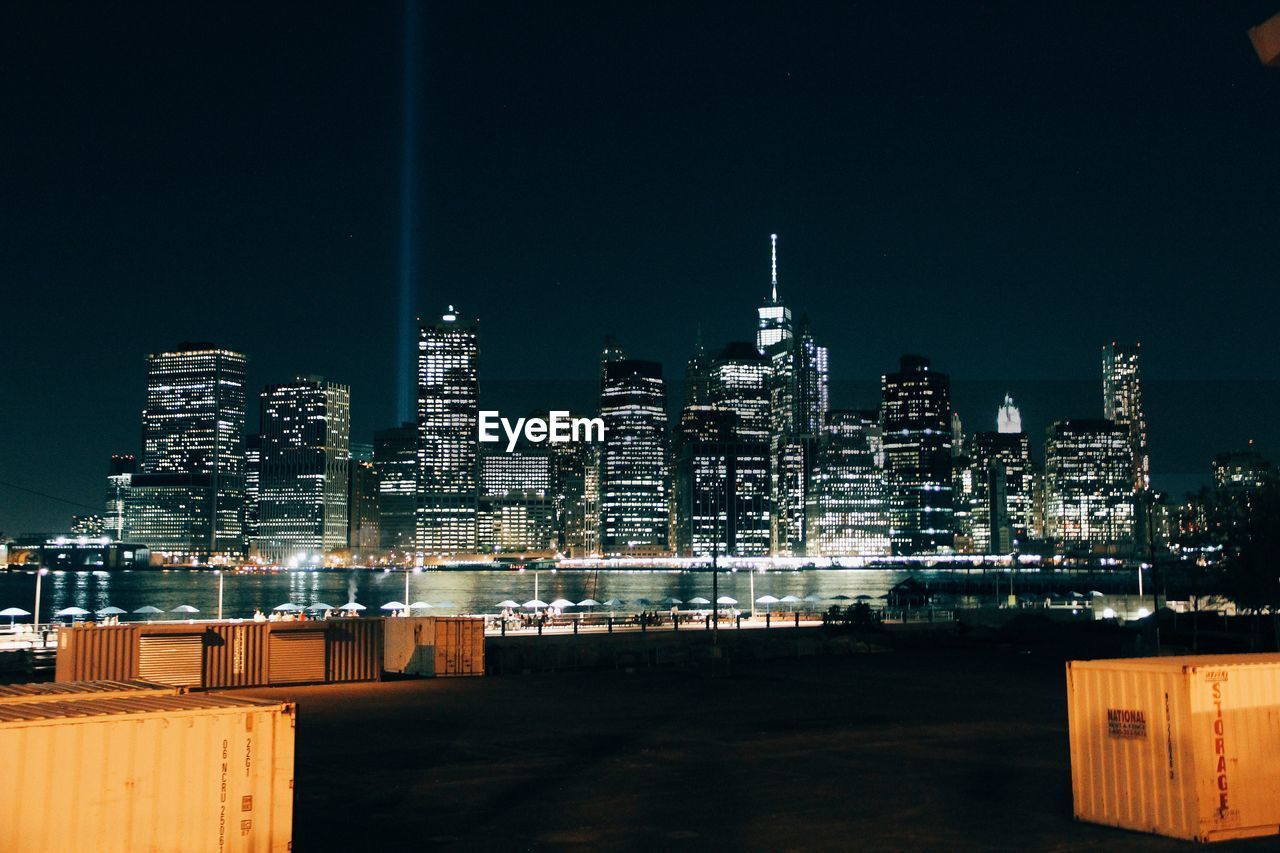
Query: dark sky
point(1003, 187)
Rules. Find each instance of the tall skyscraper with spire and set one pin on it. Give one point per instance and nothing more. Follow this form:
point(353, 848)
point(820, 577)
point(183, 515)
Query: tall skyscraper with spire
point(774, 317)
point(798, 404)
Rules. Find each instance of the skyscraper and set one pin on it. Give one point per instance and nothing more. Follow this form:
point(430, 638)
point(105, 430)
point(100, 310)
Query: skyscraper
point(848, 506)
point(119, 479)
point(302, 494)
point(188, 499)
point(915, 414)
point(252, 488)
point(364, 536)
point(774, 317)
point(798, 403)
point(1122, 403)
point(1089, 497)
point(1000, 504)
point(721, 486)
point(517, 508)
point(395, 455)
point(634, 504)
point(448, 415)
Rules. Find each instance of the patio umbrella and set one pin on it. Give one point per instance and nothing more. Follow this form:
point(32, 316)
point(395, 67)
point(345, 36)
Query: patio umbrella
point(72, 611)
point(612, 603)
point(790, 599)
point(147, 610)
point(671, 601)
point(13, 613)
point(508, 603)
point(562, 603)
point(766, 599)
point(419, 605)
point(534, 603)
point(813, 598)
point(320, 605)
point(841, 597)
point(725, 599)
point(106, 611)
point(393, 605)
point(287, 607)
point(588, 602)
point(643, 602)
point(699, 600)
point(184, 608)
point(352, 607)
point(863, 597)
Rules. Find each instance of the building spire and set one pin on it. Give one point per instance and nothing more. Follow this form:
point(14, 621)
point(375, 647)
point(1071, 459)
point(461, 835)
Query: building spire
point(774, 239)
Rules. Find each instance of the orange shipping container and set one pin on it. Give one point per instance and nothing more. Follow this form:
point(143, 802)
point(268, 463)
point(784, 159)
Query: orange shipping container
point(1179, 746)
point(147, 771)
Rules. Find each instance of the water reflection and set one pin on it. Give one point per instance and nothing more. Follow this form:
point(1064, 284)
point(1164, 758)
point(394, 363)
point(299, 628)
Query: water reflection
point(466, 591)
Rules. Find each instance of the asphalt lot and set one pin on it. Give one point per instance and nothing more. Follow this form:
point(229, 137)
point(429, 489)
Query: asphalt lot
point(905, 750)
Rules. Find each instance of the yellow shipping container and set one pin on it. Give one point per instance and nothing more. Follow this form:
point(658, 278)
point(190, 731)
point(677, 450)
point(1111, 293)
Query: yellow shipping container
point(147, 771)
point(1187, 747)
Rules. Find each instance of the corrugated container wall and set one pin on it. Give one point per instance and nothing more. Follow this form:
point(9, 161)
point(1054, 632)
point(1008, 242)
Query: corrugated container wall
point(224, 654)
point(147, 772)
point(1181, 746)
point(434, 645)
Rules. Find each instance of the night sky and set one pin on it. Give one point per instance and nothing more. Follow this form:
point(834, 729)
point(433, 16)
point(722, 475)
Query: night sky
point(1002, 187)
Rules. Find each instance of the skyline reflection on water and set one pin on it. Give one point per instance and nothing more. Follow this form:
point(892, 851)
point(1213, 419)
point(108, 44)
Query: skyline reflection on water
point(466, 591)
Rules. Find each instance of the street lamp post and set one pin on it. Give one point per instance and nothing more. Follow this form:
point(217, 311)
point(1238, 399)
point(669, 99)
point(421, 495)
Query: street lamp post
point(219, 573)
point(35, 620)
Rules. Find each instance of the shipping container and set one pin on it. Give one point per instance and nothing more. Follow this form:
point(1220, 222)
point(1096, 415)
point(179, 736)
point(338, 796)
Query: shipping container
point(1180, 746)
point(213, 655)
point(147, 771)
point(434, 645)
point(73, 690)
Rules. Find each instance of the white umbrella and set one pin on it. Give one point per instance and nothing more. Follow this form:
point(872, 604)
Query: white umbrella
point(13, 613)
point(419, 605)
point(562, 603)
point(766, 599)
point(790, 599)
point(352, 607)
point(671, 601)
point(534, 603)
point(287, 607)
point(813, 598)
point(508, 603)
point(614, 602)
point(588, 602)
point(393, 605)
point(106, 611)
point(184, 608)
point(699, 600)
point(147, 610)
point(320, 605)
point(72, 611)
point(724, 599)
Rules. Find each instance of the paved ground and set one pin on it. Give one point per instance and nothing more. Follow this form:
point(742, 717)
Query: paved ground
point(904, 750)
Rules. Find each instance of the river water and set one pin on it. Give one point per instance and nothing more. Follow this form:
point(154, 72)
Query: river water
point(456, 591)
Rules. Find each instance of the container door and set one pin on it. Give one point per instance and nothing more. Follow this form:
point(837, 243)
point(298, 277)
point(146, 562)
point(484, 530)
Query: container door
point(176, 659)
point(296, 657)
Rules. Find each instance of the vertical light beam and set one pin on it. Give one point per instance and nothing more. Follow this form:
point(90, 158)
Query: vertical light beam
point(406, 396)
